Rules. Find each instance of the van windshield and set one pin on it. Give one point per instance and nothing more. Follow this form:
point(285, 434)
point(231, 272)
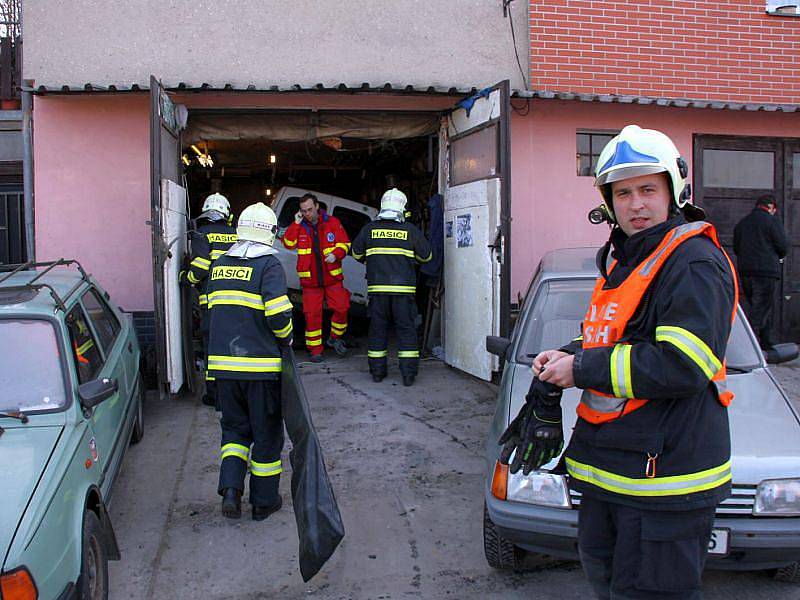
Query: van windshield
point(30, 369)
point(558, 309)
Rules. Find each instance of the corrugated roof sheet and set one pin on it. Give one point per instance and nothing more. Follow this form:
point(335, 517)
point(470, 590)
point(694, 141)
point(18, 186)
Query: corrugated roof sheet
point(432, 89)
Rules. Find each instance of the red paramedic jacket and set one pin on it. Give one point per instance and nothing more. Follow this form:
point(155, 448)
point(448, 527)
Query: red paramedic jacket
point(313, 244)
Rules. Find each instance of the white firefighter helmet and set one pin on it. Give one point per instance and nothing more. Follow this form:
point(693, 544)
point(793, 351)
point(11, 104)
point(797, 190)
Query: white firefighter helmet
point(394, 200)
point(217, 203)
point(258, 223)
point(635, 152)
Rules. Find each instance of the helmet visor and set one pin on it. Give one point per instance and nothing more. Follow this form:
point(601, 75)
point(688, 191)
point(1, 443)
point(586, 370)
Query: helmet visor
point(627, 172)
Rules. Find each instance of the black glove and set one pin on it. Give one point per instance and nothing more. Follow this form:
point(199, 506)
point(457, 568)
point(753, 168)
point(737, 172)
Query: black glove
point(536, 433)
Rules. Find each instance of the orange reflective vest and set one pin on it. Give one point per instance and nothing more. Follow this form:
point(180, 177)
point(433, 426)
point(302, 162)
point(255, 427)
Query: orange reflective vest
point(609, 312)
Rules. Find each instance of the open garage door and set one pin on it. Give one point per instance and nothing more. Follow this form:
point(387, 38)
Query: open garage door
point(169, 224)
point(476, 179)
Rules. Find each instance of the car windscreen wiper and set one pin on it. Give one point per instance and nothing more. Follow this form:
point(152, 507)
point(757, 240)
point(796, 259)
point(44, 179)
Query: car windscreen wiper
point(15, 415)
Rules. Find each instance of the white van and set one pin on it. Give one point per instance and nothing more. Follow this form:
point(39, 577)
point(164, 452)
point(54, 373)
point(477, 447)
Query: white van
point(353, 216)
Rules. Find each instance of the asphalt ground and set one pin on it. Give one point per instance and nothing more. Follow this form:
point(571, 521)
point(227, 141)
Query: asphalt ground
point(407, 467)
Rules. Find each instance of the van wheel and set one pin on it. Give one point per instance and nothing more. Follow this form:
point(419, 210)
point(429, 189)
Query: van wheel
point(93, 582)
point(500, 553)
point(138, 424)
point(789, 573)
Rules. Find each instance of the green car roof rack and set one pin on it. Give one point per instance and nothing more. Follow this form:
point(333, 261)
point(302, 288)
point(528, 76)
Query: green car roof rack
point(32, 285)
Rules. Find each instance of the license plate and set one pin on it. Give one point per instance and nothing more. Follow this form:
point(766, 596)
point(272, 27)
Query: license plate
point(719, 542)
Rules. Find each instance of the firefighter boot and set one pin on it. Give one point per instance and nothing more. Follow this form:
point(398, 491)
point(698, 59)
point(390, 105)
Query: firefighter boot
point(231, 503)
point(262, 512)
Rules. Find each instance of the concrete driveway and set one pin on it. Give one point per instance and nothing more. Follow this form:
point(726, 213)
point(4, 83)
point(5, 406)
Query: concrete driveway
point(407, 467)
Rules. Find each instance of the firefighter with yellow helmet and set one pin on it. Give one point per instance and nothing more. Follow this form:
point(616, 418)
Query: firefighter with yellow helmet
point(650, 452)
point(250, 319)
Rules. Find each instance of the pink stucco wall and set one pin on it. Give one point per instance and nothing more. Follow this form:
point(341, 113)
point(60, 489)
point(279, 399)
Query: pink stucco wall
point(92, 190)
point(550, 202)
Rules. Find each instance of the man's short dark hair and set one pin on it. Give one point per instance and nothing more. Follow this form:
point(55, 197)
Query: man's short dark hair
point(309, 197)
point(766, 200)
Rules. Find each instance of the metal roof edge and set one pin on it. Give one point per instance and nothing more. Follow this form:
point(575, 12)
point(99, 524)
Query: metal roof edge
point(645, 100)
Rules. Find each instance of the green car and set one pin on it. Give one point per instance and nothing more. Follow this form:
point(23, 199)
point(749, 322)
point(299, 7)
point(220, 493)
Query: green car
point(70, 402)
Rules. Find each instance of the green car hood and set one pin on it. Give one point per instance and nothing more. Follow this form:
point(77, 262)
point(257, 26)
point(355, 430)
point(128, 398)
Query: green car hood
point(25, 451)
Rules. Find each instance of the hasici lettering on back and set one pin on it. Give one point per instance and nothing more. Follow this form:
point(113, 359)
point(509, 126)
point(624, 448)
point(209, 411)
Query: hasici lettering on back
point(389, 234)
point(224, 238)
point(241, 273)
point(596, 329)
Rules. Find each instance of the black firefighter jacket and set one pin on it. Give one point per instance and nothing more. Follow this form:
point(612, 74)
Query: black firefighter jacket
point(759, 242)
point(684, 424)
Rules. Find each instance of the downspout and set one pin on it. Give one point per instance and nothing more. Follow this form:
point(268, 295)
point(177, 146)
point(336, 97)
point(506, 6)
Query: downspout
point(27, 169)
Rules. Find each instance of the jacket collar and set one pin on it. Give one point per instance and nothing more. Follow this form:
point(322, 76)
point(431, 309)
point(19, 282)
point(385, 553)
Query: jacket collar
point(630, 251)
point(323, 218)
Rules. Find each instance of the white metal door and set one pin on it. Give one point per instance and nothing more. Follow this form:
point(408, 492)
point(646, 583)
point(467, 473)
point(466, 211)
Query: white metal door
point(174, 219)
point(474, 168)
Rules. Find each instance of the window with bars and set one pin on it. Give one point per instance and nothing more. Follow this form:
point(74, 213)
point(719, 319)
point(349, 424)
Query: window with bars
point(589, 144)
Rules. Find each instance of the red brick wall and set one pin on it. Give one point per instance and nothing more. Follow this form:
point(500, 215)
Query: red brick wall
point(722, 50)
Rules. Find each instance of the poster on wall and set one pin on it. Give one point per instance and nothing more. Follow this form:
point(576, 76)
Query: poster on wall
point(464, 231)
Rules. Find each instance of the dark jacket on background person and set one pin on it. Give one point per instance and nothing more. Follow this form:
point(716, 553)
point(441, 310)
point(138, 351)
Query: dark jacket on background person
point(684, 426)
point(250, 318)
point(211, 240)
point(391, 250)
point(759, 243)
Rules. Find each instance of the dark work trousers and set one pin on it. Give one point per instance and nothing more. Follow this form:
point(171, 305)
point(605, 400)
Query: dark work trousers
point(251, 414)
point(760, 294)
point(632, 553)
point(211, 384)
point(400, 309)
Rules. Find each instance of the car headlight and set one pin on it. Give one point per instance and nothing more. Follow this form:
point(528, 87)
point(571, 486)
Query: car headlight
point(538, 487)
point(778, 497)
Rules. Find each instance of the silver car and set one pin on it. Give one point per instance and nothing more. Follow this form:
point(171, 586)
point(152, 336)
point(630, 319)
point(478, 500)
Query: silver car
point(758, 527)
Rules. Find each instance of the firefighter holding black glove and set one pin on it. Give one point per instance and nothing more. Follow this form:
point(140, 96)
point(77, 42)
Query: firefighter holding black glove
point(251, 318)
point(650, 452)
point(212, 237)
point(392, 248)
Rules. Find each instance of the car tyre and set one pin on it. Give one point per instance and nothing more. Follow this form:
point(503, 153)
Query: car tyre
point(789, 573)
point(93, 582)
point(138, 425)
point(500, 553)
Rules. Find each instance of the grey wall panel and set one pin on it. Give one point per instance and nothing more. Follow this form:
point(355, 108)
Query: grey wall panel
point(450, 43)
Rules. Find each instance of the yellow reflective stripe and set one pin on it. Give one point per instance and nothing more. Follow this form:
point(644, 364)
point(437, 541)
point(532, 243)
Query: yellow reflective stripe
point(396, 251)
point(237, 450)
point(343, 246)
point(215, 254)
point(424, 260)
point(277, 305)
point(235, 298)
point(655, 486)
point(304, 250)
point(210, 377)
point(692, 346)
point(290, 243)
point(327, 251)
point(201, 263)
point(403, 289)
point(578, 339)
point(203, 298)
point(376, 353)
point(84, 347)
point(244, 364)
point(335, 272)
point(621, 371)
point(302, 274)
point(313, 342)
point(408, 354)
point(192, 278)
point(314, 333)
point(265, 469)
point(284, 332)
point(338, 327)
point(357, 256)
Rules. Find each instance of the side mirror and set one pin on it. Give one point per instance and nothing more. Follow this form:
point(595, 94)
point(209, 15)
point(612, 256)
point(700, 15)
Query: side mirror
point(497, 345)
point(94, 392)
point(781, 353)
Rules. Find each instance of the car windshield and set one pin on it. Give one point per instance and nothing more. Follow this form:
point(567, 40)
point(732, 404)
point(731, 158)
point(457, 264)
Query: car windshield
point(558, 308)
point(30, 369)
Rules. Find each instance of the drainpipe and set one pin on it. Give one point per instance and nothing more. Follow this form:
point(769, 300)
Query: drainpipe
point(27, 167)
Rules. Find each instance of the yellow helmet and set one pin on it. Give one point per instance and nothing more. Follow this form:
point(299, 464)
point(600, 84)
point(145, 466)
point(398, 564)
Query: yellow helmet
point(257, 223)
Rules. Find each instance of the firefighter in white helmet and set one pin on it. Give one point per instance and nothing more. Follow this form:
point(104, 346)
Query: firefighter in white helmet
point(210, 238)
point(650, 451)
point(250, 318)
point(392, 248)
